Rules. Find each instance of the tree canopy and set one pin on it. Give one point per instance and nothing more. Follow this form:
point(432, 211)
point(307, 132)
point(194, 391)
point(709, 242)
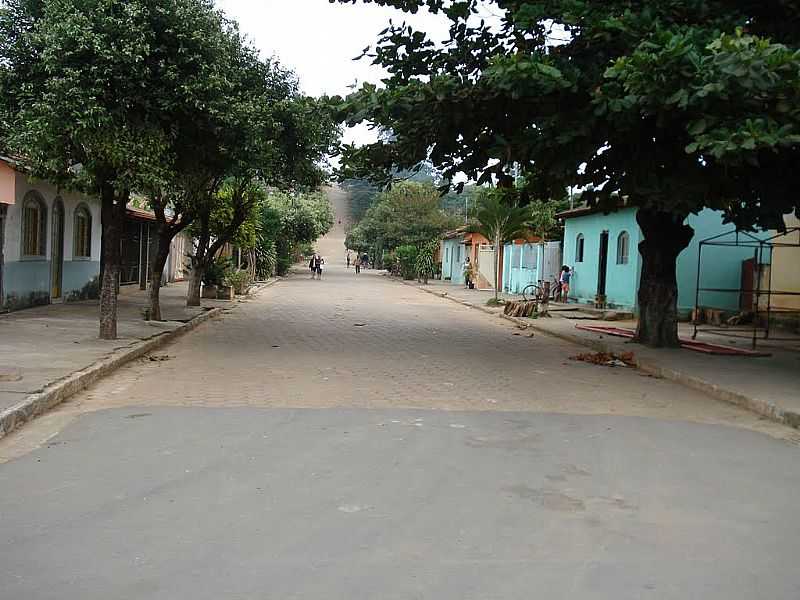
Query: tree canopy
point(407, 214)
point(164, 98)
point(672, 105)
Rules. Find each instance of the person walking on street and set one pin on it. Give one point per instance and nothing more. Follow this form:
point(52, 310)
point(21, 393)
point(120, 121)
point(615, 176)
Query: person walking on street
point(348, 259)
point(358, 265)
point(316, 266)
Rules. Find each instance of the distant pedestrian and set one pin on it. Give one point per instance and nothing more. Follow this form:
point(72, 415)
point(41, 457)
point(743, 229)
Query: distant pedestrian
point(348, 260)
point(564, 279)
point(365, 260)
point(467, 271)
point(358, 265)
point(316, 266)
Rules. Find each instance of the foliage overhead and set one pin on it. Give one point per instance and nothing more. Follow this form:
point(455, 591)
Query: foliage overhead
point(499, 219)
point(675, 104)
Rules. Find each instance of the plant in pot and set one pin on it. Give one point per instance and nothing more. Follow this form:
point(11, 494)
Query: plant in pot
point(214, 279)
point(240, 280)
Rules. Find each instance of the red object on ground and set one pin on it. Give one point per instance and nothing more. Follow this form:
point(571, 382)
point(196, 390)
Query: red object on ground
point(703, 347)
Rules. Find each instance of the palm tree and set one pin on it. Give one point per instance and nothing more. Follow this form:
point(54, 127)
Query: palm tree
point(501, 222)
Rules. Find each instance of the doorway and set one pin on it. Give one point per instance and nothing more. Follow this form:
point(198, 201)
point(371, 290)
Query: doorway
point(602, 273)
point(57, 252)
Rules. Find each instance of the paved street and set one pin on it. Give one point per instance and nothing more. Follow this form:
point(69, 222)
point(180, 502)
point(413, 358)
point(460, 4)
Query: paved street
point(357, 438)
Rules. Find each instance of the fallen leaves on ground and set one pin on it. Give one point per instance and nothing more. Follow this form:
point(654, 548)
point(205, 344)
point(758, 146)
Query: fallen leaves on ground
point(607, 359)
point(159, 357)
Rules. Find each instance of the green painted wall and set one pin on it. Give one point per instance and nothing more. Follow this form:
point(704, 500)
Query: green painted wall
point(622, 279)
point(722, 267)
point(26, 284)
point(452, 260)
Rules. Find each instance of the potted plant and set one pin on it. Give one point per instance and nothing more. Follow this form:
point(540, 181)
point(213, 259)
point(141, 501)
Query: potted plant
point(214, 278)
point(240, 280)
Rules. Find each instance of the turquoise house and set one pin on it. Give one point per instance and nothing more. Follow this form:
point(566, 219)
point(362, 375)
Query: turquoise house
point(529, 262)
point(453, 252)
point(602, 250)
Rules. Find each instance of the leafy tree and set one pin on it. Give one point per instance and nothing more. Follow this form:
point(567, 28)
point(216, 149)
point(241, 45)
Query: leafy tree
point(271, 136)
point(500, 220)
point(200, 88)
point(407, 214)
point(672, 106)
point(361, 196)
point(542, 218)
point(285, 222)
point(84, 102)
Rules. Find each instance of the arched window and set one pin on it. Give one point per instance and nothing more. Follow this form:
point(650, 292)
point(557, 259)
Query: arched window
point(579, 248)
point(623, 248)
point(82, 232)
point(34, 226)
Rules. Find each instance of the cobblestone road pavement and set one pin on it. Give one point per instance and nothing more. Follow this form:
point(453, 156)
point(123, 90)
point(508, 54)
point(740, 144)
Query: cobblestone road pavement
point(367, 341)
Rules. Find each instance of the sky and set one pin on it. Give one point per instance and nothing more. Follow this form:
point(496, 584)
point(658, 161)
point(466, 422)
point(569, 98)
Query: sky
point(318, 40)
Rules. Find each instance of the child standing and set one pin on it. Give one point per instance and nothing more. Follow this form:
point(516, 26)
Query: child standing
point(564, 279)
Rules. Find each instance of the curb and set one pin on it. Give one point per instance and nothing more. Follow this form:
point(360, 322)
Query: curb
point(55, 393)
point(761, 407)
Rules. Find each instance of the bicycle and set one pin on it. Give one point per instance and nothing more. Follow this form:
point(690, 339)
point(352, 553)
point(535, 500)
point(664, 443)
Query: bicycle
point(534, 291)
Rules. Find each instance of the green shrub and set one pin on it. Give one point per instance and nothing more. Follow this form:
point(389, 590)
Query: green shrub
point(240, 281)
point(425, 265)
point(407, 259)
point(266, 260)
point(217, 271)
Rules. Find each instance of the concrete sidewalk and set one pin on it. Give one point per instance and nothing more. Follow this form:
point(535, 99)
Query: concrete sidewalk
point(769, 386)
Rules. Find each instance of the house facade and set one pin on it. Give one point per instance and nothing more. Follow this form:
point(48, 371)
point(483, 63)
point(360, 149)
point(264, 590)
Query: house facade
point(459, 244)
point(49, 241)
point(521, 261)
point(139, 247)
point(526, 262)
point(785, 268)
point(602, 251)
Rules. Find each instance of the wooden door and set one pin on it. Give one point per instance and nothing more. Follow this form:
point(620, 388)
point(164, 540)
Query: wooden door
point(57, 252)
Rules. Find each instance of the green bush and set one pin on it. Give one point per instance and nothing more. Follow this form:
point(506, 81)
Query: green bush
point(240, 281)
point(218, 271)
point(407, 259)
point(425, 266)
point(266, 260)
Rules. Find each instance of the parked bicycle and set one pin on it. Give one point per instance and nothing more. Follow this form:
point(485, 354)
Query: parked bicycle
point(535, 291)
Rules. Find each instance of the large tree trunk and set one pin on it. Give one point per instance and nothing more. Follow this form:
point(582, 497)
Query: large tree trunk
point(195, 278)
point(665, 237)
point(112, 220)
point(165, 236)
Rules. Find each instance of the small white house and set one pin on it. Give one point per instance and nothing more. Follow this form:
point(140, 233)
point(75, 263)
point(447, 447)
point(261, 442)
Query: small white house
point(49, 241)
